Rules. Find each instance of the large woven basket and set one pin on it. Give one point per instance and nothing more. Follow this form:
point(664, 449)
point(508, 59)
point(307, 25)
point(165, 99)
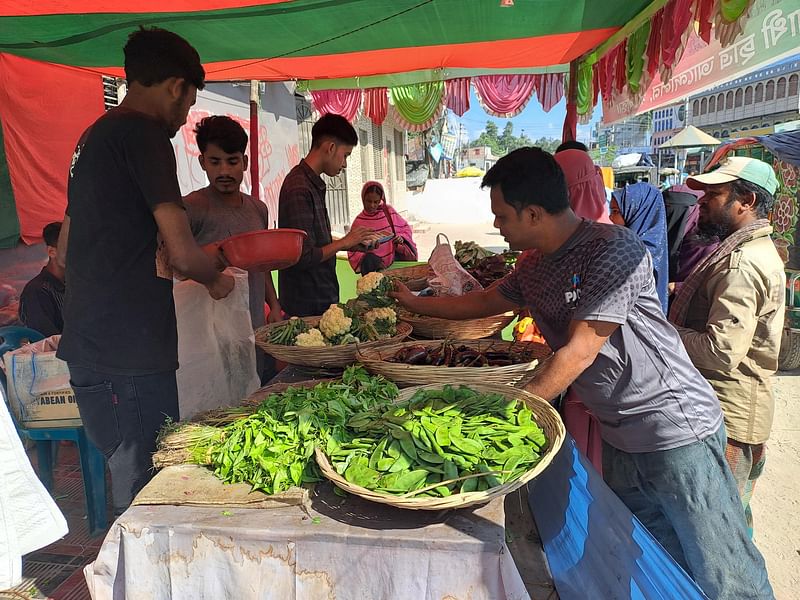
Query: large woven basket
point(545, 416)
point(415, 278)
point(374, 359)
point(434, 328)
point(330, 357)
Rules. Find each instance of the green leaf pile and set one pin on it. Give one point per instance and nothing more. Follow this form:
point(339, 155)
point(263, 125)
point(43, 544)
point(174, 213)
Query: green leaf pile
point(273, 448)
point(438, 443)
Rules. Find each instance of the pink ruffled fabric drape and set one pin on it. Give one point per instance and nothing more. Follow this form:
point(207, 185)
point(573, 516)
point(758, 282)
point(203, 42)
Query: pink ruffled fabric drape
point(340, 102)
point(456, 94)
point(376, 104)
point(504, 96)
point(549, 89)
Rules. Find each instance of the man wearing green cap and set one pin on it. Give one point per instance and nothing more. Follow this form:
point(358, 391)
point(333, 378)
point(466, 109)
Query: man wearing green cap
point(729, 312)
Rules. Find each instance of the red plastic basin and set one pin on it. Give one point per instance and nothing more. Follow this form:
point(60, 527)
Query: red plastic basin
point(267, 250)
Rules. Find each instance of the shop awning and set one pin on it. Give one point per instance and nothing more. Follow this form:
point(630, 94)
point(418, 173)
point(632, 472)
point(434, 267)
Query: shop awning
point(690, 137)
point(319, 39)
point(385, 49)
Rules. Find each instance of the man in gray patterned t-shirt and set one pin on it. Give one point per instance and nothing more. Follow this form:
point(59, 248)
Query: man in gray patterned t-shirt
point(590, 288)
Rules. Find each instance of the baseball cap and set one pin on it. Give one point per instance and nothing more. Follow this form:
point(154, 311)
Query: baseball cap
point(738, 167)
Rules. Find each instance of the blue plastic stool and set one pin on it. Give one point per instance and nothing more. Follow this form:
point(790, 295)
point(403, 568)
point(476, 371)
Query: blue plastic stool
point(93, 469)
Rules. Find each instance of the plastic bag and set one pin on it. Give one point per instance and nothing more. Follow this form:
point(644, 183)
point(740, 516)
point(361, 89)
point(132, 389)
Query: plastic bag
point(39, 390)
point(216, 346)
point(36, 367)
point(29, 517)
point(450, 277)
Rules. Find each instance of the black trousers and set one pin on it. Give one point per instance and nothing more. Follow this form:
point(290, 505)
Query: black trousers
point(122, 416)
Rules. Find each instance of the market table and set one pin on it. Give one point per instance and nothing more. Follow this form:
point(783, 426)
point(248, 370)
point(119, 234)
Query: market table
point(327, 547)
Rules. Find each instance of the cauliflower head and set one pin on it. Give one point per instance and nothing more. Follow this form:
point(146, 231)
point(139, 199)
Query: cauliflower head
point(367, 283)
point(310, 339)
point(382, 321)
point(378, 314)
point(335, 322)
point(373, 290)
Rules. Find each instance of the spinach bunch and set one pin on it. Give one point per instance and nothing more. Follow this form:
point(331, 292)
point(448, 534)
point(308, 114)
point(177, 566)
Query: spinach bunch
point(438, 443)
point(273, 448)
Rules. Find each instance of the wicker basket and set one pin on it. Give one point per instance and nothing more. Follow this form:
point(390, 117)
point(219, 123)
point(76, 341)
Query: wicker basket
point(545, 416)
point(434, 328)
point(374, 359)
point(331, 357)
point(415, 278)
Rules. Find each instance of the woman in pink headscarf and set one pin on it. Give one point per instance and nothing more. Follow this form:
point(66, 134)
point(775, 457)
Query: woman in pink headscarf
point(587, 193)
point(587, 197)
point(380, 217)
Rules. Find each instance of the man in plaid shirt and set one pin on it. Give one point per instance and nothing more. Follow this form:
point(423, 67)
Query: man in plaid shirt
point(310, 287)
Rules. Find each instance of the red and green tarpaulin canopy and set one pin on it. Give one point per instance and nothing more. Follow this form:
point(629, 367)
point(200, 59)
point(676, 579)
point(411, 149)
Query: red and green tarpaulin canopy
point(372, 45)
point(319, 39)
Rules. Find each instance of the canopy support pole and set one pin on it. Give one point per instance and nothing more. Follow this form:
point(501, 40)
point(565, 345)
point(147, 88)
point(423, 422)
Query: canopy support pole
point(570, 131)
point(254, 178)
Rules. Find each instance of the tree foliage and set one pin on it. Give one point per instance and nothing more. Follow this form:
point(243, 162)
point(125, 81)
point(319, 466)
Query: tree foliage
point(502, 144)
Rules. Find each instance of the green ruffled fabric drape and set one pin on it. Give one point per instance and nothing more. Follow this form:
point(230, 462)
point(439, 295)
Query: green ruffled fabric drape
point(731, 10)
point(635, 57)
point(585, 85)
point(418, 102)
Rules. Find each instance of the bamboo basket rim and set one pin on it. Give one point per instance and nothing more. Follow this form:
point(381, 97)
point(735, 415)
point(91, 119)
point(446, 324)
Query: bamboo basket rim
point(544, 415)
point(412, 272)
point(405, 315)
point(516, 374)
point(327, 356)
point(439, 328)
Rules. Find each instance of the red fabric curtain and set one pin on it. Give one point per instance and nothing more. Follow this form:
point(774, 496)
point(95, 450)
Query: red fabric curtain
point(340, 102)
point(44, 109)
point(550, 89)
point(456, 93)
point(376, 104)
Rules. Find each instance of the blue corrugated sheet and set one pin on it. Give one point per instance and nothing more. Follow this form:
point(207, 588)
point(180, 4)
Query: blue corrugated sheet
point(596, 548)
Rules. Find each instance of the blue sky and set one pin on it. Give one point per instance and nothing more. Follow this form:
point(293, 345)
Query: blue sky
point(533, 120)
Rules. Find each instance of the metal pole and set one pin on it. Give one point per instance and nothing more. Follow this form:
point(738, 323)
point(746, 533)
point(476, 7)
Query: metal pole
point(254, 172)
point(571, 119)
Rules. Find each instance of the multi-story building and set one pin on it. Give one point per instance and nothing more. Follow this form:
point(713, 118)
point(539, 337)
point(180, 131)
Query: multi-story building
point(750, 105)
point(479, 156)
point(630, 135)
point(667, 121)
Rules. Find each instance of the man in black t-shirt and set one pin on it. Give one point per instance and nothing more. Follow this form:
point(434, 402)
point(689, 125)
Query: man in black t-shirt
point(124, 233)
point(42, 300)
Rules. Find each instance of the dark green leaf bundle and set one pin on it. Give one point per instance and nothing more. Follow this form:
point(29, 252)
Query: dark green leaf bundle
point(438, 443)
point(273, 448)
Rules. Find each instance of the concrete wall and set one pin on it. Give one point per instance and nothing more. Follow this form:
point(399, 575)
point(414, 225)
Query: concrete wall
point(378, 158)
